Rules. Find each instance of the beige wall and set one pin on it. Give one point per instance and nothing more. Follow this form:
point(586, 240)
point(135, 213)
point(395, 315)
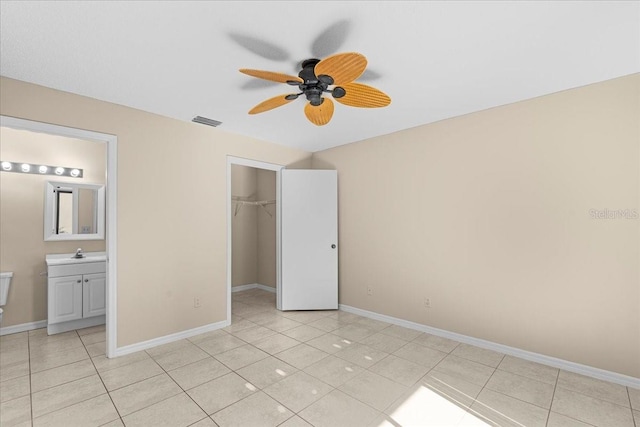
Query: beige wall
point(266, 267)
point(244, 227)
point(254, 231)
point(488, 215)
point(177, 171)
point(22, 245)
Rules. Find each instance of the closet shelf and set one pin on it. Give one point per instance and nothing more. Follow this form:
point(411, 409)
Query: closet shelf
point(242, 201)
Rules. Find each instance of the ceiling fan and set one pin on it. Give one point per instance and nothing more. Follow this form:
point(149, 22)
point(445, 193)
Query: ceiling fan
point(334, 75)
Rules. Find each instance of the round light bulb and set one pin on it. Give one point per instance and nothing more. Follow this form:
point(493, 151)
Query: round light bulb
point(43, 169)
point(6, 166)
point(59, 171)
point(25, 167)
point(75, 172)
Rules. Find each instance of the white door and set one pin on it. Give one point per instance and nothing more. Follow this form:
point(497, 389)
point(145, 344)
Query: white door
point(309, 239)
point(93, 295)
point(65, 299)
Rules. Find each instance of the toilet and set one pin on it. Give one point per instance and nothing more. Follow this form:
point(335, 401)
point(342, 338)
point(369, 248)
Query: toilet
point(5, 282)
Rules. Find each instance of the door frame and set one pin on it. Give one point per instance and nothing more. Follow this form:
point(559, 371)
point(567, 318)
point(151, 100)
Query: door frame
point(111, 208)
point(240, 161)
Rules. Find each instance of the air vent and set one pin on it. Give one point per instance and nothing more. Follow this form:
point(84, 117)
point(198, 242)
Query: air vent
point(205, 121)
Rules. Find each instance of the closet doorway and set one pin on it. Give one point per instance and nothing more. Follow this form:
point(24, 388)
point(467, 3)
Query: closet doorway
point(253, 231)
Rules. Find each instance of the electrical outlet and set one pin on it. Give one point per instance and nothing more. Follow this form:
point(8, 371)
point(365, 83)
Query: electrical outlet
point(427, 302)
point(196, 302)
point(369, 290)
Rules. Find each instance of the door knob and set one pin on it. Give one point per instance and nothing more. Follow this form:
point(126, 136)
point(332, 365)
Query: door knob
point(86, 280)
point(333, 246)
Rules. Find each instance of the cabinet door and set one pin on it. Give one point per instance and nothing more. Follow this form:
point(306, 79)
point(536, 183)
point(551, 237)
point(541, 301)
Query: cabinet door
point(65, 299)
point(93, 294)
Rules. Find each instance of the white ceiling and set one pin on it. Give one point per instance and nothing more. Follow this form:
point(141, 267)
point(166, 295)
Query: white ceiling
point(435, 59)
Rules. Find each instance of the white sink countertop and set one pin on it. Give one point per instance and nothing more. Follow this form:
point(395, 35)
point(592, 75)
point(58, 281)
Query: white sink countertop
point(62, 259)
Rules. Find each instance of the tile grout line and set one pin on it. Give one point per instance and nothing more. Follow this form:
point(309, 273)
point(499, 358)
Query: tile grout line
point(633, 418)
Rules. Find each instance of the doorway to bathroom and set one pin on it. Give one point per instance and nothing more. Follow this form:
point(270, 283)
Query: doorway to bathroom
point(49, 138)
point(253, 233)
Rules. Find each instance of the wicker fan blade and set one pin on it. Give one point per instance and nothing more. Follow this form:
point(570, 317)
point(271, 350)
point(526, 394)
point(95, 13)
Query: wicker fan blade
point(320, 115)
point(364, 96)
point(269, 75)
point(343, 67)
point(270, 104)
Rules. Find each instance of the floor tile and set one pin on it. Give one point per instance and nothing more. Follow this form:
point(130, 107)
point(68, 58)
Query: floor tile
point(238, 325)
point(373, 389)
point(16, 412)
point(93, 338)
point(326, 324)
point(115, 423)
point(241, 356)
point(329, 343)
point(59, 358)
point(199, 372)
point(168, 348)
point(91, 330)
point(64, 395)
point(435, 342)
point(533, 370)
point(333, 370)
point(634, 397)
point(401, 332)
point(137, 396)
point(183, 356)
point(383, 342)
point(97, 411)
point(399, 370)
point(422, 406)
point(97, 349)
point(557, 420)
point(264, 317)
point(590, 410)
point(303, 333)
point(453, 388)
point(361, 355)
point(255, 410)
point(523, 388)
point(477, 354)
point(636, 417)
point(505, 410)
point(305, 316)
point(472, 372)
point(220, 344)
point(254, 333)
point(373, 324)
point(208, 335)
point(266, 372)
point(281, 324)
point(354, 332)
point(205, 422)
point(301, 355)
point(14, 370)
point(178, 410)
point(14, 388)
point(298, 391)
point(216, 394)
point(344, 317)
point(275, 343)
point(129, 374)
point(104, 364)
point(295, 421)
point(337, 409)
point(595, 388)
point(421, 355)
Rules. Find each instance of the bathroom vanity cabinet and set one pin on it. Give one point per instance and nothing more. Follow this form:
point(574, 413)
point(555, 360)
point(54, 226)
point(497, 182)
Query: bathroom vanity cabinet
point(76, 291)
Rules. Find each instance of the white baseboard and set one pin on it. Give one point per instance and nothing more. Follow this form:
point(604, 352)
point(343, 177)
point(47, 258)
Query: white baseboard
point(127, 349)
point(253, 286)
point(14, 329)
point(577, 368)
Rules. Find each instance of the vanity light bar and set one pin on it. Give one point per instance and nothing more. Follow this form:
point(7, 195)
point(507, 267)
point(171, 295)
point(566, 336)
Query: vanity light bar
point(35, 169)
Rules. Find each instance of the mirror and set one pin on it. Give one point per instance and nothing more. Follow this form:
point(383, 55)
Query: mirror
point(73, 211)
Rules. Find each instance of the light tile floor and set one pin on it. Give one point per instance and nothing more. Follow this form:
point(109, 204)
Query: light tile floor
point(269, 368)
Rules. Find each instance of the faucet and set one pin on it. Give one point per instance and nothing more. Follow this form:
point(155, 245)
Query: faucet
point(79, 253)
